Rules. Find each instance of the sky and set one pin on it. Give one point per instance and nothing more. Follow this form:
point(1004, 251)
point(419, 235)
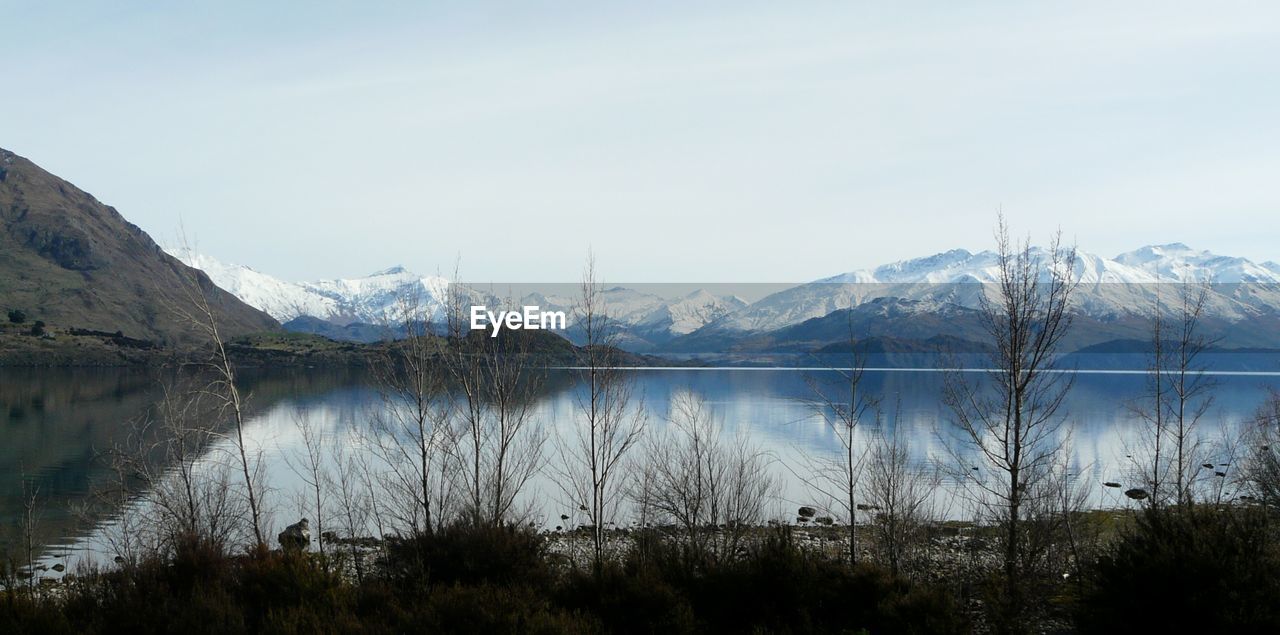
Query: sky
point(680, 142)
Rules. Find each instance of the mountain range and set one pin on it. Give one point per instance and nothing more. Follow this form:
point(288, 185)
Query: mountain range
point(355, 308)
point(73, 262)
point(1109, 288)
point(940, 295)
point(914, 300)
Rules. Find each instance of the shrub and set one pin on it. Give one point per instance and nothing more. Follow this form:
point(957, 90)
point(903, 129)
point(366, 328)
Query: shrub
point(781, 588)
point(20, 612)
point(1201, 569)
point(629, 601)
point(489, 608)
point(774, 587)
point(468, 555)
point(189, 592)
point(492, 579)
point(17, 316)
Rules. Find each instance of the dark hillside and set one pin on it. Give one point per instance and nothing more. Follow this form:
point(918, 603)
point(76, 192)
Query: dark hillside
point(70, 261)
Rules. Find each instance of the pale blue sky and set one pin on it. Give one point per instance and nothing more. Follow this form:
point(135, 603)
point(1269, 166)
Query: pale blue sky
point(728, 142)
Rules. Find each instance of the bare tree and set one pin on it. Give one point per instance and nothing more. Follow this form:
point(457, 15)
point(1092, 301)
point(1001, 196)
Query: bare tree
point(371, 482)
point(900, 494)
point(1150, 456)
point(353, 505)
point(713, 488)
point(455, 427)
point(516, 447)
point(186, 494)
point(1054, 532)
point(1190, 391)
point(308, 464)
point(197, 308)
point(31, 507)
point(591, 454)
point(1262, 467)
point(411, 430)
point(468, 388)
point(492, 384)
point(844, 406)
point(1010, 415)
point(1179, 394)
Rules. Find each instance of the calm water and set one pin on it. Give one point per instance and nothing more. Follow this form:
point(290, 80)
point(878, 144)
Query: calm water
point(58, 423)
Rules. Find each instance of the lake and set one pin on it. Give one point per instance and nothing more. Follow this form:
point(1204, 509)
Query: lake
point(59, 422)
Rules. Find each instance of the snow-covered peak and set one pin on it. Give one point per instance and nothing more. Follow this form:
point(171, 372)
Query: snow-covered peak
point(1176, 262)
point(1173, 262)
point(627, 306)
point(280, 299)
point(691, 312)
point(371, 299)
point(943, 267)
point(1108, 287)
point(947, 266)
point(1154, 253)
point(1091, 269)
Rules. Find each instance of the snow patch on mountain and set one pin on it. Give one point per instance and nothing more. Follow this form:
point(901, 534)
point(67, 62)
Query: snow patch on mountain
point(377, 297)
point(1109, 288)
point(370, 299)
point(690, 313)
point(1177, 262)
point(280, 299)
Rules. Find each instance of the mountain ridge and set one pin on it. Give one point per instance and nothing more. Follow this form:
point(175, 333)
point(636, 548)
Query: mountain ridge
point(71, 261)
point(1116, 295)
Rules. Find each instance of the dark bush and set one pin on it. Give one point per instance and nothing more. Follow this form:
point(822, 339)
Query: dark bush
point(782, 589)
point(466, 579)
point(775, 587)
point(629, 601)
point(17, 316)
point(488, 608)
point(192, 591)
point(201, 589)
point(463, 554)
point(1199, 570)
point(37, 329)
point(292, 592)
point(23, 612)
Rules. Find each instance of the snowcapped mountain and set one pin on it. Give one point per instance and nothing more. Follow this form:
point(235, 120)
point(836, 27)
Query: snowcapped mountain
point(280, 299)
point(690, 313)
point(648, 312)
point(1109, 288)
point(644, 317)
point(377, 296)
point(1178, 262)
point(623, 305)
point(370, 299)
point(1120, 293)
point(1174, 262)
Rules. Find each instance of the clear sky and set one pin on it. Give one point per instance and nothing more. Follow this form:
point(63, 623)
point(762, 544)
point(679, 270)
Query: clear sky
point(736, 141)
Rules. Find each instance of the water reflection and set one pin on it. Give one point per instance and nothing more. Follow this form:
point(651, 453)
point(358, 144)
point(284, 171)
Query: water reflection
point(59, 421)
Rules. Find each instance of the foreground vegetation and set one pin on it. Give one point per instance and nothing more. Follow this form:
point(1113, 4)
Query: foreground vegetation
point(494, 579)
point(1189, 570)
